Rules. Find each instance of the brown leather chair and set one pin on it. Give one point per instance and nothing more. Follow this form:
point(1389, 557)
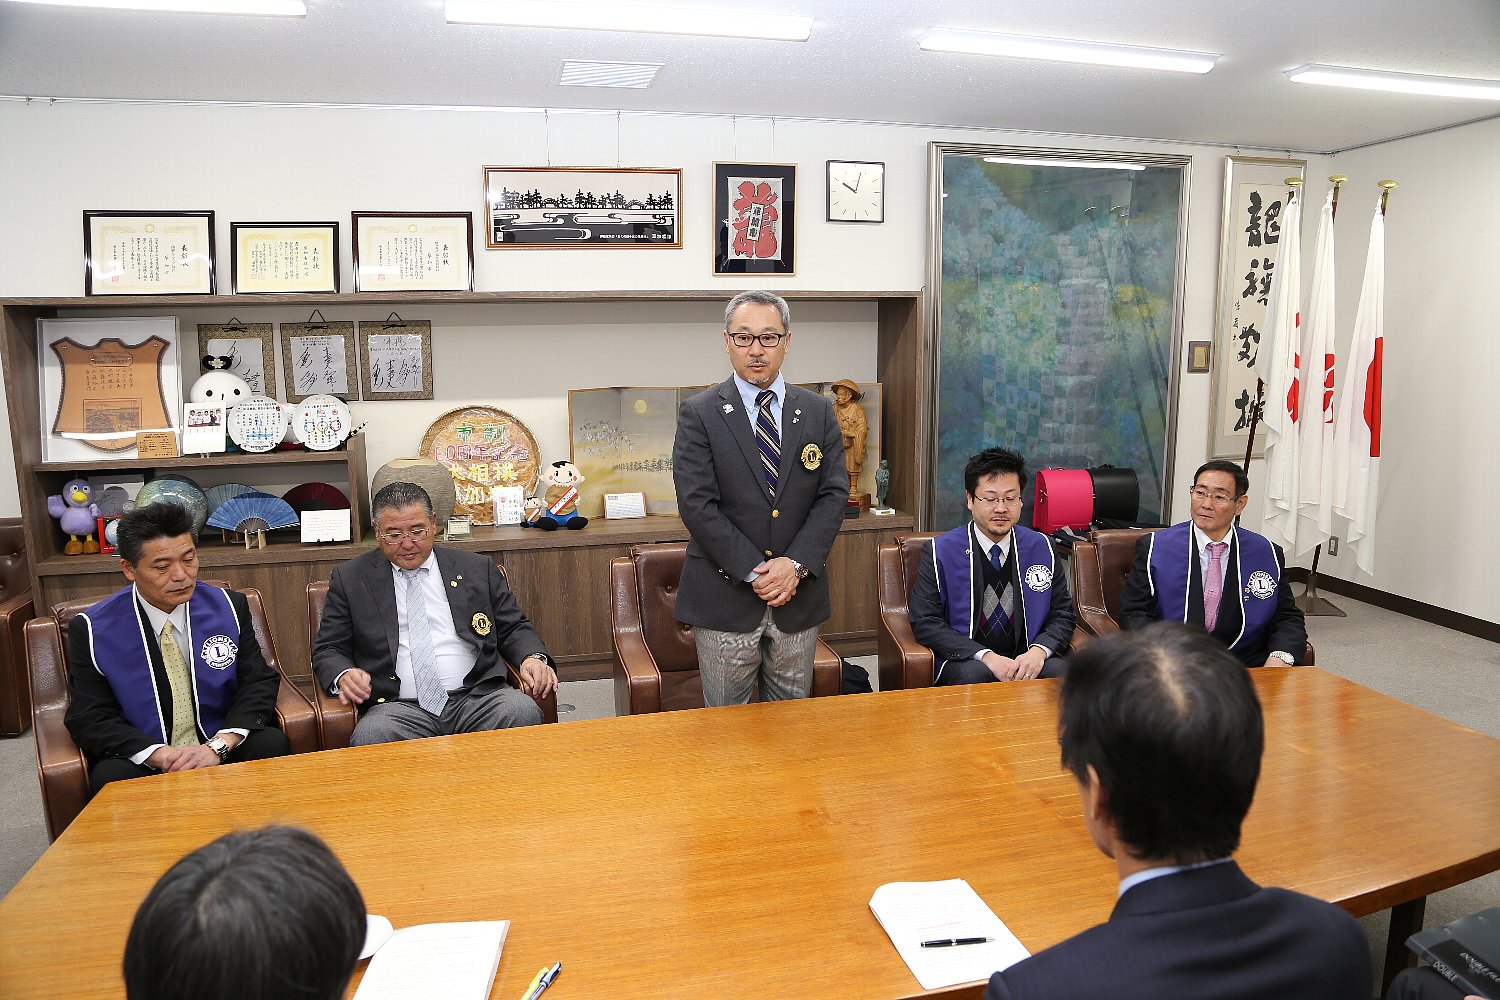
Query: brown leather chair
point(905, 662)
point(1100, 566)
point(335, 719)
point(656, 660)
point(61, 766)
point(16, 610)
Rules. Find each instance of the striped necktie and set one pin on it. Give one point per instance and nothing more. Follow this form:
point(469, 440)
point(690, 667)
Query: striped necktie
point(432, 696)
point(768, 438)
point(184, 720)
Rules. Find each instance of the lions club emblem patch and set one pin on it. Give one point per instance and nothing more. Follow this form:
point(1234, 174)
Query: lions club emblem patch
point(219, 652)
point(481, 624)
point(1260, 584)
point(812, 457)
point(1038, 577)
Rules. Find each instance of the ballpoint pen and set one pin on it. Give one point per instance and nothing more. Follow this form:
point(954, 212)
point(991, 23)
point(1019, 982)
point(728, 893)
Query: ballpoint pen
point(541, 982)
point(950, 942)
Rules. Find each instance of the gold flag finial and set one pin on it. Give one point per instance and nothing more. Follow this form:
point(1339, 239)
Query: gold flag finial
point(1337, 179)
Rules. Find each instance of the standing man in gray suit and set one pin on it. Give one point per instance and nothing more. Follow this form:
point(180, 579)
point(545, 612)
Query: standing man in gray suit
point(418, 637)
point(761, 486)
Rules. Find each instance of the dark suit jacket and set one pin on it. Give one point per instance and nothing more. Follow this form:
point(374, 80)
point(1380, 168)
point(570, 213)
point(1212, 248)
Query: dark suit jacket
point(736, 524)
point(1287, 631)
point(1207, 933)
point(359, 626)
point(93, 717)
point(929, 614)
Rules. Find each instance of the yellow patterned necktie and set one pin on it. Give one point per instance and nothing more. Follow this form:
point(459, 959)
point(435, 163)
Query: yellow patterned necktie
point(184, 724)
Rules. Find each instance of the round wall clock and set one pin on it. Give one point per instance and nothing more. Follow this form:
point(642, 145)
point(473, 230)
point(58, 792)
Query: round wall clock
point(856, 191)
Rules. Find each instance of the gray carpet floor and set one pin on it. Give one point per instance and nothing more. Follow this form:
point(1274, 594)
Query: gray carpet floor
point(1455, 676)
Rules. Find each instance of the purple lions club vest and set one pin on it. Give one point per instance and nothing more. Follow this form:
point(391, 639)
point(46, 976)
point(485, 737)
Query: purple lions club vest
point(1171, 567)
point(960, 579)
point(121, 651)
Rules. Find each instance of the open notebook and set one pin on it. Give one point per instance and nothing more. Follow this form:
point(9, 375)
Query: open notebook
point(454, 961)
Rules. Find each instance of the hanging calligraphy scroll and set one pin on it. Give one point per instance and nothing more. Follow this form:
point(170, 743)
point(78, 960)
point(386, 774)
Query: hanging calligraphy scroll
point(318, 358)
point(395, 359)
point(1254, 199)
point(755, 219)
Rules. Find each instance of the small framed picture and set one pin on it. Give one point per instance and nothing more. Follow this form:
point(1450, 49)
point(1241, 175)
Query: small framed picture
point(755, 218)
point(413, 251)
point(1200, 356)
point(148, 253)
point(395, 359)
point(109, 527)
point(271, 257)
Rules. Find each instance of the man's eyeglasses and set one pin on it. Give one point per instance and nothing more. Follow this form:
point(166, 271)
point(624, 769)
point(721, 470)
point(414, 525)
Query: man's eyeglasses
point(1217, 499)
point(991, 501)
point(767, 340)
point(395, 537)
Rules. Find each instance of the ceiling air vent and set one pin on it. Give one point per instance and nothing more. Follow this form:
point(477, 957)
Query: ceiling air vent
point(581, 73)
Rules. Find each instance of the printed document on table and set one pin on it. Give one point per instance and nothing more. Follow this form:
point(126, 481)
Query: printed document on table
point(913, 912)
point(454, 961)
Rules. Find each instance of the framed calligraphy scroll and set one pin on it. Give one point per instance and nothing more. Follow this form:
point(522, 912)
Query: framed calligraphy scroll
point(148, 253)
point(102, 381)
point(541, 208)
point(318, 358)
point(1254, 199)
point(755, 218)
point(244, 349)
point(395, 359)
point(270, 257)
point(413, 251)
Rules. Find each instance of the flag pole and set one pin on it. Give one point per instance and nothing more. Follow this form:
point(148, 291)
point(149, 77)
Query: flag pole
point(1293, 183)
point(1310, 602)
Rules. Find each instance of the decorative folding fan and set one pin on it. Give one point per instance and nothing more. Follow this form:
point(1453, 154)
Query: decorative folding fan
point(316, 496)
point(254, 511)
point(217, 495)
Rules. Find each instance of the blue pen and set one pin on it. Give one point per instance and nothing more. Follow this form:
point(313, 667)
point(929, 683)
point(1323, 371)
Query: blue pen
point(543, 980)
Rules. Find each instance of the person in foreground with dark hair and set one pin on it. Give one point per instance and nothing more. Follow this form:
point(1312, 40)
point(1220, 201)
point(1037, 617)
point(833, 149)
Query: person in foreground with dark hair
point(1163, 732)
point(267, 914)
point(1208, 571)
point(167, 675)
point(988, 599)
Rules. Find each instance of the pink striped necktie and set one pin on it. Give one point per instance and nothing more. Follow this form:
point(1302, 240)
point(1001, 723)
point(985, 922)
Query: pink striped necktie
point(1213, 586)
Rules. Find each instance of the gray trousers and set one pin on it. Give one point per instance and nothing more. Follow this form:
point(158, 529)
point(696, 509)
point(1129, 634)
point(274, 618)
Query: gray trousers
point(492, 704)
point(731, 663)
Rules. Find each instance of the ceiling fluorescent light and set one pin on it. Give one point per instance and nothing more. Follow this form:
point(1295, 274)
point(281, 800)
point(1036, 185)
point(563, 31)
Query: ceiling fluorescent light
point(987, 43)
point(1398, 83)
point(630, 17)
point(263, 8)
point(1044, 161)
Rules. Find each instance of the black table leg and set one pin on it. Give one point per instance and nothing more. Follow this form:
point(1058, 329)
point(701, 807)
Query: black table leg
point(1406, 920)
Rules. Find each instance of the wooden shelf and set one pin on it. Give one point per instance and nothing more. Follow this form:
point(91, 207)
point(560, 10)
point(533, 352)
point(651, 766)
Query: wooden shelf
point(136, 302)
point(338, 457)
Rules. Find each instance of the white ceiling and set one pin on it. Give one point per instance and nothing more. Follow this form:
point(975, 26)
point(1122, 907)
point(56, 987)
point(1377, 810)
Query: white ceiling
point(862, 63)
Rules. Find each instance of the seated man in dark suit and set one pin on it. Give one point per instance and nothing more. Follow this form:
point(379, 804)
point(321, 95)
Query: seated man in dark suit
point(269, 914)
point(1209, 572)
point(1164, 733)
point(418, 636)
point(166, 675)
point(989, 600)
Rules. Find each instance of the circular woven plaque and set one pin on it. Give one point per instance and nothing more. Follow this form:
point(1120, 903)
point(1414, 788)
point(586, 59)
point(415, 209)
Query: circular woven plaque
point(322, 423)
point(258, 424)
point(482, 447)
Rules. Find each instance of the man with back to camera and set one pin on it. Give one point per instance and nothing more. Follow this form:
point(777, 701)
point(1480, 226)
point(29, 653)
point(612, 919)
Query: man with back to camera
point(418, 636)
point(267, 914)
point(1207, 571)
point(166, 674)
point(988, 599)
point(761, 486)
point(1163, 731)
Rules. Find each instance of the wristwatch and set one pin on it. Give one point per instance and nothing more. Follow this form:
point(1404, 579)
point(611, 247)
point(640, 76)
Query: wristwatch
point(218, 746)
point(801, 569)
point(1286, 658)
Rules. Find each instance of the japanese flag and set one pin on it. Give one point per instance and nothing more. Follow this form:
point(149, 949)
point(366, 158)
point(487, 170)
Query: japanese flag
point(1356, 439)
point(1277, 368)
point(1315, 426)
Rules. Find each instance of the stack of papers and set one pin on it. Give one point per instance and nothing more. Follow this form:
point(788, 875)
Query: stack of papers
point(454, 961)
point(913, 912)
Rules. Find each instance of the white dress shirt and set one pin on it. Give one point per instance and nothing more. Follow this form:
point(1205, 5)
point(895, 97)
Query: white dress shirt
point(178, 616)
point(455, 657)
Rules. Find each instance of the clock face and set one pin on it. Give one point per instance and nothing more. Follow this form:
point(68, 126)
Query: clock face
point(856, 191)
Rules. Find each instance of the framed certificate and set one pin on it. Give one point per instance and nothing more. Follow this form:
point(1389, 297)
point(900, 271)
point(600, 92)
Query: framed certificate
point(270, 257)
point(413, 251)
point(148, 253)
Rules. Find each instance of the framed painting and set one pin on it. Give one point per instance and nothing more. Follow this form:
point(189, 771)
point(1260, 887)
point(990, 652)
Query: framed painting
point(565, 208)
point(755, 218)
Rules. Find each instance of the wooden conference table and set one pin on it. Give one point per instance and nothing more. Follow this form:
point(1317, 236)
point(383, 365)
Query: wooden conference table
point(732, 852)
